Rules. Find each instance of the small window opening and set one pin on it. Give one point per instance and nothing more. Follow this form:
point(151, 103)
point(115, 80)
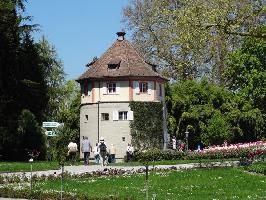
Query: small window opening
point(105, 116)
point(87, 117)
point(111, 88)
point(122, 115)
point(143, 87)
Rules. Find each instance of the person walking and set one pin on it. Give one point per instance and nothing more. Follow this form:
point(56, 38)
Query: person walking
point(72, 151)
point(130, 151)
point(102, 148)
point(86, 149)
point(112, 152)
point(174, 143)
point(96, 154)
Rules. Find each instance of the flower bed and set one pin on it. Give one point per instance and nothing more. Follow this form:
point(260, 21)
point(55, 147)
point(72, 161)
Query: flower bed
point(251, 151)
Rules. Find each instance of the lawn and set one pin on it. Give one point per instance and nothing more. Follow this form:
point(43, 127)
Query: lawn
point(25, 166)
point(218, 183)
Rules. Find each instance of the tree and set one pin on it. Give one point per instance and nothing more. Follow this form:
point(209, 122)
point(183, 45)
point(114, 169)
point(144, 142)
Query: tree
point(30, 136)
point(192, 38)
point(212, 114)
point(68, 114)
point(246, 71)
point(54, 77)
point(22, 83)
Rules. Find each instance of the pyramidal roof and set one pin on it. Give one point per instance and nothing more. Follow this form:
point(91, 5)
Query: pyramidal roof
point(127, 61)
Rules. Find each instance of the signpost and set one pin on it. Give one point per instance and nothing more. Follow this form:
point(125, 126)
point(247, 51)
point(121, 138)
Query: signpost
point(51, 125)
point(50, 133)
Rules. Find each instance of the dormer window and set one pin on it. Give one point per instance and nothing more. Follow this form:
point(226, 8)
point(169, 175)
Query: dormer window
point(114, 64)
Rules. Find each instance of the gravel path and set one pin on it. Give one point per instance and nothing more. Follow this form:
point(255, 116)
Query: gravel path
point(90, 168)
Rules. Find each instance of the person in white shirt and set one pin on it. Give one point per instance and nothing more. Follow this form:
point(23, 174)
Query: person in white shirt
point(174, 143)
point(72, 151)
point(130, 151)
point(96, 154)
point(86, 148)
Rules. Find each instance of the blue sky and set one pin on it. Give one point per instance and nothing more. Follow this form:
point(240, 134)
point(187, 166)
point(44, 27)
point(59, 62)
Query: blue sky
point(79, 30)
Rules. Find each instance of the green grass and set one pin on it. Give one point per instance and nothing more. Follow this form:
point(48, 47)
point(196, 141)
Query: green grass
point(219, 183)
point(25, 166)
point(259, 167)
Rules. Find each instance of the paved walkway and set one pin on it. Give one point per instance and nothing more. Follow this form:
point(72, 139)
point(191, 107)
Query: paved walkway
point(91, 168)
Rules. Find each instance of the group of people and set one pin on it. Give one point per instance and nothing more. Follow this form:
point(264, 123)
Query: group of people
point(100, 151)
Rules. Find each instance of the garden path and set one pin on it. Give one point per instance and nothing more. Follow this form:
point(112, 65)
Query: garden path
point(80, 169)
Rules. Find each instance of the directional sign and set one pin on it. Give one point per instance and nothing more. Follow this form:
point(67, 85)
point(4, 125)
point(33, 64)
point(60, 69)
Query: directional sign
point(50, 124)
point(50, 133)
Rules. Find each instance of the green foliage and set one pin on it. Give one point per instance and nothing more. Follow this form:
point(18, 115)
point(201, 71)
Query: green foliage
point(246, 71)
point(259, 168)
point(30, 136)
point(22, 84)
point(157, 154)
point(147, 126)
point(190, 38)
point(216, 130)
point(54, 77)
point(68, 113)
point(211, 114)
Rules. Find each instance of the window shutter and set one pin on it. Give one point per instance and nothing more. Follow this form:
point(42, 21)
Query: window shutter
point(115, 115)
point(136, 87)
point(149, 88)
point(104, 88)
point(130, 115)
point(117, 88)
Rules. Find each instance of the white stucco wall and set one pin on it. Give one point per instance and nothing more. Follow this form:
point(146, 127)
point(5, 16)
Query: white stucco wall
point(123, 91)
point(112, 131)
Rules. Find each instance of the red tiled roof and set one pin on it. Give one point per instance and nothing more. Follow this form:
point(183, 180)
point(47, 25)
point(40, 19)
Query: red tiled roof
point(130, 63)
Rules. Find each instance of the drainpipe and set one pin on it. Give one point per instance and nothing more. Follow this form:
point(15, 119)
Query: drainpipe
point(99, 111)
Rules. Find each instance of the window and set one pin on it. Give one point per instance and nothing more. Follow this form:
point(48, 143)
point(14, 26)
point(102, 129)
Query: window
point(122, 115)
point(114, 64)
point(105, 116)
point(112, 67)
point(111, 88)
point(87, 117)
point(143, 87)
point(160, 90)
